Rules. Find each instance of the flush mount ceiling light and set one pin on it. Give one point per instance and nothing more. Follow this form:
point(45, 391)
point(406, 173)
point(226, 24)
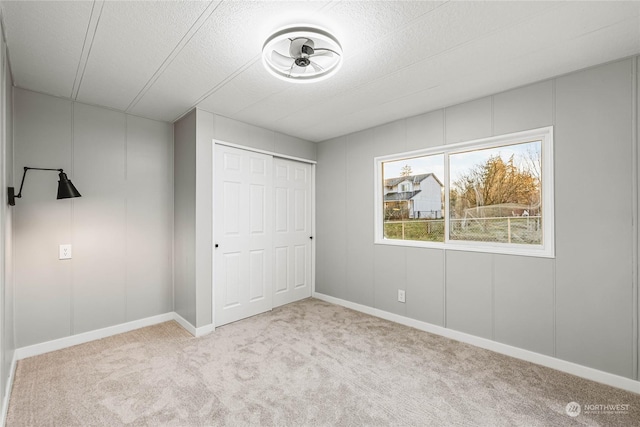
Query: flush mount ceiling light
point(302, 54)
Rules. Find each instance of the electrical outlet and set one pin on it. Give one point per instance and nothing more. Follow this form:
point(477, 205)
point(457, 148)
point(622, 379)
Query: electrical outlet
point(401, 295)
point(65, 252)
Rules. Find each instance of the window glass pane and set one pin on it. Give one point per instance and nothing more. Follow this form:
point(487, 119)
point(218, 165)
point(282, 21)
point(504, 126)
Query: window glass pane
point(413, 197)
point(495, 194)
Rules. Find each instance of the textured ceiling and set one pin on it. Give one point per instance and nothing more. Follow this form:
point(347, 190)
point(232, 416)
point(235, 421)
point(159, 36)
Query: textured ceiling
point(401, 58)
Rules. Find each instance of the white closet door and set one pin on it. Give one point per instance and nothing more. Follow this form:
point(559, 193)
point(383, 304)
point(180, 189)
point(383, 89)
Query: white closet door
point(292, 231)
point(243, 221)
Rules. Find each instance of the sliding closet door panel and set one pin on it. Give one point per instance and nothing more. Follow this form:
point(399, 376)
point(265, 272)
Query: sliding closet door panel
point(242, 221)
point(292, 231)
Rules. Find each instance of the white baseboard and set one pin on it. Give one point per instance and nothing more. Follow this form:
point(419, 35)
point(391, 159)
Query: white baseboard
point(196, 332)
point(519, 353)
point(204, 330)
point(185, 324)
point(46, 347)
point(7, 393)
point(59, 344)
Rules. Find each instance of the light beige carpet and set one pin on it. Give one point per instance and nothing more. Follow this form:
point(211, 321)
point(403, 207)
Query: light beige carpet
point(304, 364)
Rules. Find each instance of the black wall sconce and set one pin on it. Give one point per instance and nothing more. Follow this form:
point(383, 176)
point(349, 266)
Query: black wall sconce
point(66, 189)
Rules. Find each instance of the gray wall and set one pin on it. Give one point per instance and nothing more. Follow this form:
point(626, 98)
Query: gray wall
point(193, 210)
point(184, 217)
point(577, 307)
point(7, 339)
point(204, 200)
point(121, 228)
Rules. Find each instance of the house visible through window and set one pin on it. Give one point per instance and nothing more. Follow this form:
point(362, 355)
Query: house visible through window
point(491, 195)
point(413, 201)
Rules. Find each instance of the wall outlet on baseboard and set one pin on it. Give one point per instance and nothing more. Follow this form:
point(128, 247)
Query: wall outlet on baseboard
point(401, 295)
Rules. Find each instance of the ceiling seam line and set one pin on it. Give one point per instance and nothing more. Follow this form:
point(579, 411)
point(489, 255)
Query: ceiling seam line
point(330, 5)
point(84, 43)
point(222, 83)
point(191, 32)
point(86, 59)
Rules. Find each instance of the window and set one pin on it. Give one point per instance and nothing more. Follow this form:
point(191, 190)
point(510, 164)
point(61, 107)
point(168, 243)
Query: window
point(490, 195)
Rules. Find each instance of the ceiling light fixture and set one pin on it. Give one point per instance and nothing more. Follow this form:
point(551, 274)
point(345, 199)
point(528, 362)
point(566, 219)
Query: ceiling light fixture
point(302, 54)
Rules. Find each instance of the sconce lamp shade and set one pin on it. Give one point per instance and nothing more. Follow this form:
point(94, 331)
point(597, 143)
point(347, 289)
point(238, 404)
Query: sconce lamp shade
point(66, 189)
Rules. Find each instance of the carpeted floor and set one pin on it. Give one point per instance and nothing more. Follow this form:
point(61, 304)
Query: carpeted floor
point(305, 364)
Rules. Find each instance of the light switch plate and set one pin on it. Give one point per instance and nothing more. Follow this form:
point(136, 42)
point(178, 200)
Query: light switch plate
point(65, 252)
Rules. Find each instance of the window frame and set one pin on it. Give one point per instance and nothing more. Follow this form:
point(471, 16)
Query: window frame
point(544, 250)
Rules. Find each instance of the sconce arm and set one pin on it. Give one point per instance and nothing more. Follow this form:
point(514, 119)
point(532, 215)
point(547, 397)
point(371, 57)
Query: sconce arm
point(19, 195)
point(13, 196)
